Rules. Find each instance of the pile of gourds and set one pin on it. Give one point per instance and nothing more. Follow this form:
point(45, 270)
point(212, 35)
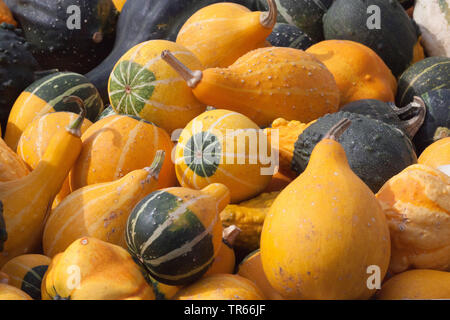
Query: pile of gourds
point(251, 149)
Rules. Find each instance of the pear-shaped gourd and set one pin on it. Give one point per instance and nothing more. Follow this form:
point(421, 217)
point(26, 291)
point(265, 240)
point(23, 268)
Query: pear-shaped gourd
point(176, 232)
point(326, 232)
point(26, 201)
point(266, 84)
point(221, 33)
point(100, 210)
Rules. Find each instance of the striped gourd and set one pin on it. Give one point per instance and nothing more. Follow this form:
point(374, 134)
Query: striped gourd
point(46, 95)
point(213, 148)
point(115, 146)
point(26, 272)
point(142, 84)
point(176, 233)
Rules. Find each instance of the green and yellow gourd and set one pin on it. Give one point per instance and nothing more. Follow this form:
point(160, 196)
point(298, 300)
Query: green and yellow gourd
point(46, 95)
point(213, 148)
point(143, 85)
point(176, 233)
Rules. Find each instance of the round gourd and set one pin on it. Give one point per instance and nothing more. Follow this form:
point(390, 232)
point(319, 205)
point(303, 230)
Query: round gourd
point(359, 72)
point(416, 203)
point(417, 285)
point(387, 29)
point(45, 96)
point(375, 150)
point(91, 269)
point(429, 74)
point(225, 260)
point(162, 291)
point(251, 268)
point(213, 148)
point(176, 233)
point(437, 118)
point(12, 167)
point(115, 146)
point(221, 287)
point(142, 84)
point(26, 273)
point(437, 154)
point(8, 292)
point(287, 35)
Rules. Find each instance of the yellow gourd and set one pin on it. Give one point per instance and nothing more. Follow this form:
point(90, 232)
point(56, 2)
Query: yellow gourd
point(8, 292)
point(26, 201)
point(266, 84)
point(222, 32)
point(324, 230)
point(436, 154)
point(99, 210)
point(12, 167)
point(225, 260)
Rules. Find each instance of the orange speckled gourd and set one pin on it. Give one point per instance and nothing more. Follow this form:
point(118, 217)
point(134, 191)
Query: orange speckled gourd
point(436, 154)
point(359, 72)
point(324, 230)
point(417, 206)
point(266, 84)
point(221, 33)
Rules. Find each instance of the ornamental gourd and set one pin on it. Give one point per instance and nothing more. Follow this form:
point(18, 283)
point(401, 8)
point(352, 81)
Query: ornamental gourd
point(302, 263)
point(8, 292)
point(359, 72)
point(26, 201)
point(437, 154)
point(143, 85)
point(221, 33)
point(12, 167)
point(213, 148)
point(118, 145)
point(84, 214)
point(266, 84)
point(176, 233)
point(226, 258)
point(6, 15)
point(106, 272)
point(416, 203)
point(287, 35)
point(26, 273)
point(221, 287)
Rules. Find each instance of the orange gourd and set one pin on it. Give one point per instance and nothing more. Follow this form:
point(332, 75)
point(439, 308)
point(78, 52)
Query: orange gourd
point(225, 260)
point(6, 14)
point(221, 33)
point(118, 145)
point(12, 167)
point(8, 292)
point(266, 84)
point(359, 72)
point(436, 154)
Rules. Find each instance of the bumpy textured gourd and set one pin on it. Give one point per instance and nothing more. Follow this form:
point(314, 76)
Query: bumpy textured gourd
point(221, 33)
point(91, 269)
point(287, 35)
point(26, 201)
point(84, 214)
point(278, 82)
point(324, 217)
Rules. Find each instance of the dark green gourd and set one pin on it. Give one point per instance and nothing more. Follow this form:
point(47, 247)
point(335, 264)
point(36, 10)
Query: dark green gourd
point(17, 68)
point(142, 20)
point(375, 150)
point(429, 74)
point(394, 41)
point(286, 35)
point(54, 45)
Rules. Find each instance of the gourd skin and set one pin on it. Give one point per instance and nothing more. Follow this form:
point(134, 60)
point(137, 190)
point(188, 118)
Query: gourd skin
point(6, 15)
point(84, 213)
point(226, 157)
point(221, 33)
point(417, 205)
point(106, 272)
point(276, 82)
point(142, 84)
point(437, 154)
point(12, 167)
point(287, 35)
point(26, 272)
point(118, 145)
point(8, 292)
point(119, 4)
point(359, 72)
point(221, 287)
point(302, 263)
point(417, 284)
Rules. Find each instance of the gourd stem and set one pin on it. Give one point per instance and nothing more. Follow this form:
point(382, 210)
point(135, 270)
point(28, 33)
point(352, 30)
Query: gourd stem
point(155, 167)
point(97, 37)
point(337, 130)
point(441, 133)
point(75, 127)
point(230, 234)
point(269, 19)
point(413, 125)
point(192, 78)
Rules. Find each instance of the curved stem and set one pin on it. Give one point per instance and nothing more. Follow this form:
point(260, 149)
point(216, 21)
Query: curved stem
point(441, 133)
point(156, 166)
point(192, 78)
point(337, 130)
point(418, 107)
point(269, 19)
point(75, 126)
point(230, 234)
